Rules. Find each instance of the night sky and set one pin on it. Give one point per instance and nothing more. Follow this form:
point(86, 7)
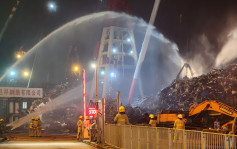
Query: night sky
point(32, 21)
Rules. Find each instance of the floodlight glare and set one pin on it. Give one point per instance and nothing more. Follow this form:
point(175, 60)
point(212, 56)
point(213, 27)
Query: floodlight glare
point(18, 56)
point(12, 73)
point(52, 6)
point(129, 40)
point(26, 74)
point(102, 72)
point(114, 50)
point(93, 65)
point(112, 74)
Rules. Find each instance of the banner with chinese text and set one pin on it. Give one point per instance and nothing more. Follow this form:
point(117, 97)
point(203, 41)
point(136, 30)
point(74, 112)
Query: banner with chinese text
point(21, 92)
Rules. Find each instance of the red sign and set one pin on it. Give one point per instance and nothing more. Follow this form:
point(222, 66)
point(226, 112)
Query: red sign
point(92, 111)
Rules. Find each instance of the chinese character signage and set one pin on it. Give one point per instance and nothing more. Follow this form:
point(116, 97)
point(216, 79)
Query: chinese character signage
point(21, 92)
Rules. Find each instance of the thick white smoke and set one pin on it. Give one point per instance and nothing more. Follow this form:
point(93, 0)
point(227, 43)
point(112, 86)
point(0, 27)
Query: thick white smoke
point(229, 50)
point(200, 55)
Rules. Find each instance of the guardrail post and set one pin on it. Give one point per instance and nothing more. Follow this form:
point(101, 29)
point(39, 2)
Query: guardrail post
point(170, 138)
point(203, 140)
point(227, 142)
point(131, 136)
point(108, 134)
point(157, 138)
point(124, 137)
point(147, 137)
point(138, 138)
point(185, 139)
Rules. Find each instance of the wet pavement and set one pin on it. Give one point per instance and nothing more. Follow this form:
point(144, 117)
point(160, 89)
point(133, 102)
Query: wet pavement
point(20, 141)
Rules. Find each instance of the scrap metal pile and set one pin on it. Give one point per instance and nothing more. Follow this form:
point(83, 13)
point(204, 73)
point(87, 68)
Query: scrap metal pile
point(219, 84)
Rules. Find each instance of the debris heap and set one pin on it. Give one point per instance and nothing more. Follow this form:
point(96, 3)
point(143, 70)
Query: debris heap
point(219, 84)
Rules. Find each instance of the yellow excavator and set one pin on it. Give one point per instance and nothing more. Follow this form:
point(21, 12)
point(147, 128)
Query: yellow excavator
point(202, 116)
point(205, 113)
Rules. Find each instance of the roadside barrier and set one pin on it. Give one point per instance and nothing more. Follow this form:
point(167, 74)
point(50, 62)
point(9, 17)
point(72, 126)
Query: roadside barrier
point(141, 137)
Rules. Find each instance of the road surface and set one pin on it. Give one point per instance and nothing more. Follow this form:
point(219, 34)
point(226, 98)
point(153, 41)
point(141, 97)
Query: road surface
point(17, 141)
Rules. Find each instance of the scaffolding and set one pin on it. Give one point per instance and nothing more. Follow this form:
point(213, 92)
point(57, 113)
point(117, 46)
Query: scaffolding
point(117, 56)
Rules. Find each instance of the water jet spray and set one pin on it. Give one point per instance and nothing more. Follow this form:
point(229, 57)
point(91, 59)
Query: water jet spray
point(144, 47)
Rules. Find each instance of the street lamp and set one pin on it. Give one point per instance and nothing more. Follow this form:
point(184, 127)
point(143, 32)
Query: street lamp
point(95, 67)
point(26, 73)
point(18, 56)
point(76, 68)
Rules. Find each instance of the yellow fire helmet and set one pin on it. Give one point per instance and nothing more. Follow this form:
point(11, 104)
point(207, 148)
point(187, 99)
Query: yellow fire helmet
point(87, 117)
point(152, 116)
point(80, 117)
point(33, 118)
point(180, 116)
point(1, 120)
point(37, 118)
point(121, 109)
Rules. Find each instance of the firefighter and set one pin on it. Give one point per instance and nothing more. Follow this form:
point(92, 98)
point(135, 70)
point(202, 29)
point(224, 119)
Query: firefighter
point(216, 124)
point(39, 127)
point(153, 121)
point(179, 125)
point(121, 118)
point(93, 131)
point(31, 128)
point(2, 127)
point(80, 128)
point(35, 125)
point(86, 127)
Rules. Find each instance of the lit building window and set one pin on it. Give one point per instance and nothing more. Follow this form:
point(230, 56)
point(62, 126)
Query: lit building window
point(24, 105)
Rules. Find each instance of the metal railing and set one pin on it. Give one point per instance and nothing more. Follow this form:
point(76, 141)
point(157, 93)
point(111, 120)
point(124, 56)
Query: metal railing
point(140, 137)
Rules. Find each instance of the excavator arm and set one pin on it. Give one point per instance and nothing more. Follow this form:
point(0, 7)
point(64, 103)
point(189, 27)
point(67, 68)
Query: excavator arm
point(213, 105)
point(217, 107)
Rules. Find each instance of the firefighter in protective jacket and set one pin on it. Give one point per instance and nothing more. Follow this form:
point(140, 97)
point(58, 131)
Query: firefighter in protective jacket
point(80, 128)
point(152, 120)
point(35, 125)
point(39, 127)
point(31, 128)
point(121, 118)
point(179, 123)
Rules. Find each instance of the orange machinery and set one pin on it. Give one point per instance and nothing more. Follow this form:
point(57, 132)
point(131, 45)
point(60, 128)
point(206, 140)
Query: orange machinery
point(201, 116)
